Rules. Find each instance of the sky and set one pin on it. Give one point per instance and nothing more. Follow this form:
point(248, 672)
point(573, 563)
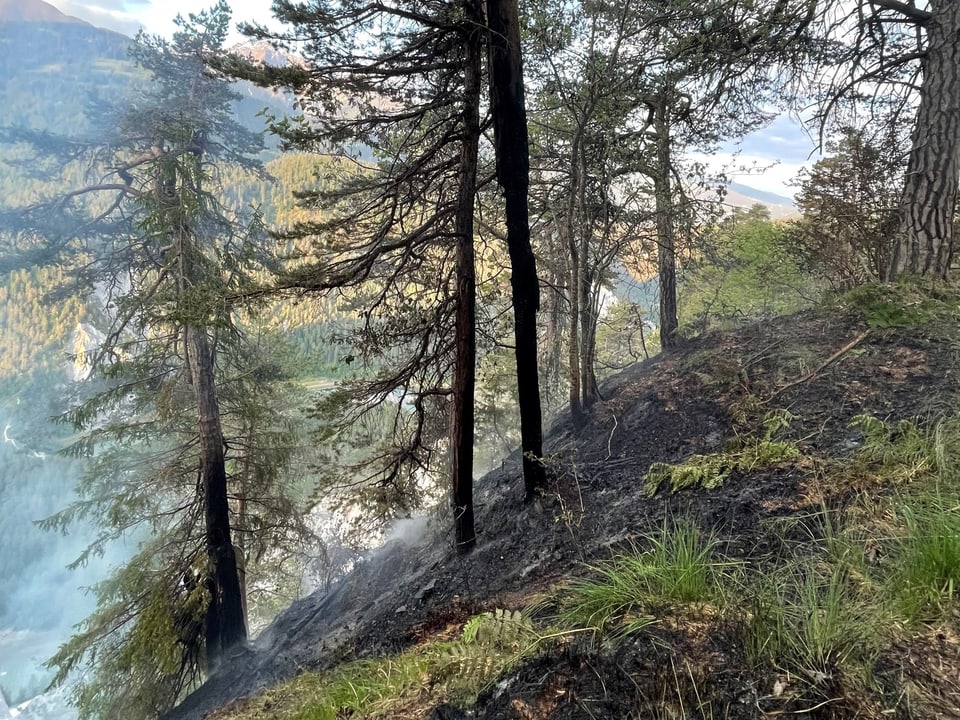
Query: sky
point(767, 159)
point(128, 16)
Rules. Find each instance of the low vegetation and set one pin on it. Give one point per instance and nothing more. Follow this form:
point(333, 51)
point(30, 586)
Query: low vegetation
point(711, 471)
point(831, 615)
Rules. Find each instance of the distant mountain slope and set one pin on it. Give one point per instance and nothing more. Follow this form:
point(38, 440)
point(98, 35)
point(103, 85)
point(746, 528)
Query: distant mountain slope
point(54, 70)
point(58, 68)
point(33, 11)
point(739, 195)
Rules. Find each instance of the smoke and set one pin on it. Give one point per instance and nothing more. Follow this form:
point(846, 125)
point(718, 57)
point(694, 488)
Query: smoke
point(410, 530)
point(41, 600)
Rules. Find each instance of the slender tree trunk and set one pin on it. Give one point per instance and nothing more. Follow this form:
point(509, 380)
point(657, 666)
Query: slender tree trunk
point(923, 243)
point(588, 341)
point(242, 523)
point(666, 248)
point(466, 344)
point(225, 624)
point(573, 350)
point(553, 309)
point(513, 174)
point(574, 231)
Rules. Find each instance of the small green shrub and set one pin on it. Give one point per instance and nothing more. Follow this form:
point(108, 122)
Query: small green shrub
point(489, 644)
point(711, 471)
point(910, 302)
point(907, 451)
point(404, 685)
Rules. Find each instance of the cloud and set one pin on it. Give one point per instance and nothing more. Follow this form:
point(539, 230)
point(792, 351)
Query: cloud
point(767, 159)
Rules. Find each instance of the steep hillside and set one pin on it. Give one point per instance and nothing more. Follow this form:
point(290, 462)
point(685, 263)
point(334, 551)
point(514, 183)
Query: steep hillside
point(806, 453)
point(33, 11)
point(56, 66)
point(744, 196)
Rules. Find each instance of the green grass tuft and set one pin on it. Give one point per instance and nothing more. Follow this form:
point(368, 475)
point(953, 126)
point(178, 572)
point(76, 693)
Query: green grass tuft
point(925, 578)
point(679, 568)
point(811, 619)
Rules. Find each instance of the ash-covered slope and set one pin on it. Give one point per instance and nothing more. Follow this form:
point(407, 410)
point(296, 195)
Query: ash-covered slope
point(824, 367)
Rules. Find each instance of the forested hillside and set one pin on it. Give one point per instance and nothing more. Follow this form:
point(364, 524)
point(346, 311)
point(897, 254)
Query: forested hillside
point(55, 72)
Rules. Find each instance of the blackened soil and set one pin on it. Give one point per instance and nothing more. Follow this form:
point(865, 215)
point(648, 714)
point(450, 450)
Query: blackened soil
point(824, 368)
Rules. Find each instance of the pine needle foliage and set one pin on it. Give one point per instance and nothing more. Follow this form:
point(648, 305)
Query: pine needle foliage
point(183, 420)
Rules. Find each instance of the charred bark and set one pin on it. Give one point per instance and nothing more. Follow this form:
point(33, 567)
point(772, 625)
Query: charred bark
point(225, 625)
point(513, 174)
point(666, 246)
point(466, 344)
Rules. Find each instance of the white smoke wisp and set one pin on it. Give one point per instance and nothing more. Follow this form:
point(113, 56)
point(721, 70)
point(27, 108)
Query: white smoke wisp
point(409, 531)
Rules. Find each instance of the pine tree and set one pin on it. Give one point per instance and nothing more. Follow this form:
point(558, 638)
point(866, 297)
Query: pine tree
point(394, 92)
point(180, 417)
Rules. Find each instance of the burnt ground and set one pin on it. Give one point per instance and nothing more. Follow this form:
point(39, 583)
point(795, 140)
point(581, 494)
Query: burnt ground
point(824, 367)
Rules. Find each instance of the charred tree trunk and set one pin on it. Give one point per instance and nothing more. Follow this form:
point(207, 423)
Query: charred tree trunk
point(666, 247)
point(225, 625)
point(573, 354)
point(466, 343)
point(924, 240)
point(589, 316)
point(225, 622)
point(513, 174)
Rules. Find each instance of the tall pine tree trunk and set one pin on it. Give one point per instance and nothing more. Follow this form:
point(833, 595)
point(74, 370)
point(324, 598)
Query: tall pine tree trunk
point(666, 248)
point(225, 625)
point(466, 344)
point(573, 348)
point(513, 174)
point(924, 241)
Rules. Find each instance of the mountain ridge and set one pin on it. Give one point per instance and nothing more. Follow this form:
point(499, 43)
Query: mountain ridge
point(35, 11)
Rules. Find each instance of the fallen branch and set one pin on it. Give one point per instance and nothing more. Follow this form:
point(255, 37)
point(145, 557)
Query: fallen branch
point(829, 361)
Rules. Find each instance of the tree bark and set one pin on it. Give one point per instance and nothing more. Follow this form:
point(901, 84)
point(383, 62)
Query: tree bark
point(513, 174)
point(573, 349)
point(589, 316)
point(225, 625)
point(466, 345)
point(666, 248)
point(923, 243)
